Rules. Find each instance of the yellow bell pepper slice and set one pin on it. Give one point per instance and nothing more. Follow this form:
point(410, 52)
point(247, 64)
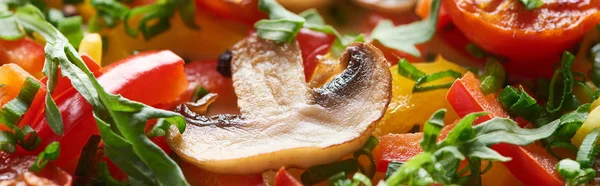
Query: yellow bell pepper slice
point(592, 122)
point(407, 109)
point(92, 46)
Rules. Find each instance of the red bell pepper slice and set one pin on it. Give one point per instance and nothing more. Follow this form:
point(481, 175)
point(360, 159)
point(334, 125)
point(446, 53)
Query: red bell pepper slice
point(152, 78)
point(312, 44)
point(530, 165)
point(283, 178)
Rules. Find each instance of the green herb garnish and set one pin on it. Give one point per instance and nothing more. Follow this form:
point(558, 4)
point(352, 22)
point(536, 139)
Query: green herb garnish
point(405, 37)
point(51, 152)
point(439, 163)
point(409, 71)
point(121, 122)
point(573, 173)
point(493, 77)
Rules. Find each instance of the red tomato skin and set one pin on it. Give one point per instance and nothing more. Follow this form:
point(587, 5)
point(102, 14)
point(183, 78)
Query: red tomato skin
point(283, 178)
point(122, 78)
point(24, 52)
point(423, 9)
point(312, 44)
point(242, 11)
point(465, 97)
point(507, 29)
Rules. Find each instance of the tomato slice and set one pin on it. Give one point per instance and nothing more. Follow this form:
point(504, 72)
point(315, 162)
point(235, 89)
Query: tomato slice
point(24, 52)
point(14, 170)
point(140, 78)
point(530, 165)
point(243, 11)
point(507, 28)
point(423, 10)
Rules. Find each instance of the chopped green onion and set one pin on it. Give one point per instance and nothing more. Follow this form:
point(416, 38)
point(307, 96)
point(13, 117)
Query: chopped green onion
point(587, 153)
point(320, 173)
point(408, 70)
point(570, 122)
point(493, 77)
point(71, 28)
point(11, 112)
point(7, 141)
point(573, 173)
point(519, 103)
point(565, 97)
point(27, 138)
point(51, 152)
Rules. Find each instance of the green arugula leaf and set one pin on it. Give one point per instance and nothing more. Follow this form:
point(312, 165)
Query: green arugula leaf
point(432, 129)
point(440, 163)
point(405, 37)
point(283, 25)
point(51, 152)
point(532, 4)
point(10, 29)
point(120, 121)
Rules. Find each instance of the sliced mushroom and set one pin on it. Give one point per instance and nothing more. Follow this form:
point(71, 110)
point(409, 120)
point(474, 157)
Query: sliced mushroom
point(388, 6)
point(283, 121)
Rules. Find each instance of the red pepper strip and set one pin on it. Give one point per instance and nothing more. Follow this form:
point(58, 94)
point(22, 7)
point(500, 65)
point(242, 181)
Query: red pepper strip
point(283, 178)
point(313, 43)
point(530, 168)
point(151, 77)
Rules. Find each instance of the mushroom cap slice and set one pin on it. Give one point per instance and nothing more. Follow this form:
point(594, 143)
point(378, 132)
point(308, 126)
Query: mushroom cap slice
point(284, 122)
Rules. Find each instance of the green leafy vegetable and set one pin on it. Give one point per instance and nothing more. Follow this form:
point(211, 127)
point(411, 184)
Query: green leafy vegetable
point(121, 122)
point(51, 152)
point(154, 17)
point(432, 129)
point(532, 4)
point(408, 70)
point(10, 29)
point(341, 180)
point(405, 37)
point(573, 172)
point(323, 172)
point(440, 164)
point(199, 92)
point(103, 176)
point(493, 77)
point(283, 25)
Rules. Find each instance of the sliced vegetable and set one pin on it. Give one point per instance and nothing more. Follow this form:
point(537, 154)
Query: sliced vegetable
point(408, 108)
point(536, 37)
point(138, 78)
point(283, 178)
point(92, 46)
point(24, 52)
point(248, 152)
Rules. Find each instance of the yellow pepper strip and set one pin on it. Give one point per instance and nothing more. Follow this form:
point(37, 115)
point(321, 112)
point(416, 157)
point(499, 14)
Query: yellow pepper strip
point(592, 122)
point(407, 109)
point(92, 46)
